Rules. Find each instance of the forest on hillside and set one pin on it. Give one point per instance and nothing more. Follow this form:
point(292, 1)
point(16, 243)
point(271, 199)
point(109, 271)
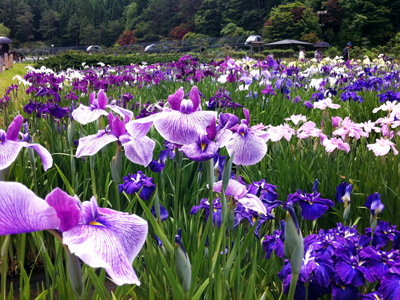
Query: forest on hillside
point(108, 22)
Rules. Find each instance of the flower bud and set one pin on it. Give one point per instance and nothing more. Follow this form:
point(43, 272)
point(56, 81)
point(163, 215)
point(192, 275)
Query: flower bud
point(182, 263)
point(346, 213)
point(294, 244)
point(75, 275)
point(71, 133)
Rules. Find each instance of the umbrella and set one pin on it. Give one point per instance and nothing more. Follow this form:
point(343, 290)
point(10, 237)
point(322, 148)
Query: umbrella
point(5, 40)
point(322, 45)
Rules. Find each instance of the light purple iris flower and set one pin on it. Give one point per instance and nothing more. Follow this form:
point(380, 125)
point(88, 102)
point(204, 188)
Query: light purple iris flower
point(181, 122)
point(100, 237)
point(87, 114)
point(138, 147)
point(238, 192)
point(10, 146)
point(248, 143)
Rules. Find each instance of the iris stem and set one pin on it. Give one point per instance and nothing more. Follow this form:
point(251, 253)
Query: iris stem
point(92, 162)
point(293, 284)
point(210, 177)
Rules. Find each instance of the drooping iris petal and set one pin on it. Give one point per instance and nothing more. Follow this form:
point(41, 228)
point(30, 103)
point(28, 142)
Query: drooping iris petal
point(195, 97)
point(9, 151)
point(113, 244)
point(92, 144)
point(138, 130)
point(248, 150)
point(254, 203)
point(234, 189)
point(21, 211)
point(66, 207)
point(13, 129)
point(44, 154)
point(312, 210)
point(180, 128)
point(121, 111)
point(139, 151)
point(85, 114)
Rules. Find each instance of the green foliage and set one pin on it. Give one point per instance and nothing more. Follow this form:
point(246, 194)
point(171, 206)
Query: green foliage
point(4, 31)
point(231, 29)
point(75, 60)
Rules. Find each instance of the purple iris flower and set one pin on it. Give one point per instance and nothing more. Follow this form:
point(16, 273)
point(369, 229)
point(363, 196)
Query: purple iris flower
point(383, 234)
point(375, 204)
point(343, 192)
point(273, 242)
point(204, 204)
point(53, 110)
point(87, 114)
point(203, 150)
point(350, 268)
point(251, 216)
point(163, 213)
point(370, 296)
point(100, 237)
point(138, 147)
point(133, 183)
point(312, 206)
point(158, 165)
point(238, 193)
point(10, 146)
point(390, 284)
point(343, 291)
point(244, 139)
point(181, 122)
point(379, 262)
point(266, 192)
point(48, 92)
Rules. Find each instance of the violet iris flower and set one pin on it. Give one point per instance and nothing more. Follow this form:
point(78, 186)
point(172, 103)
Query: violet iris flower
point(312, 206)
point(248, 143)
point(204, 204)
point(390, 284)
point(10, 146)
point(266, 192)
point(87, 114)
point(181, 122)
point(163, 213)
point(343, 192)
point(133, 183)
point(375, 204)
point(251, 216)
point(138, 147)
point(238, 193)
point(100, 237)
point(274, 242)
point(379, 262)
point(204, 149)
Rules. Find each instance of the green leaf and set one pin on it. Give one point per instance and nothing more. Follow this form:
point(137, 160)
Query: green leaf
point(66, 182)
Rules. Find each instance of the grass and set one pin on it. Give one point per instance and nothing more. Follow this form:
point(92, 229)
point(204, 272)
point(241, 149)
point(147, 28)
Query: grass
point(7, 76)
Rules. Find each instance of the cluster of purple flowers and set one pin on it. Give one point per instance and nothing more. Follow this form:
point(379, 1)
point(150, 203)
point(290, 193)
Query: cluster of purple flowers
point(6, 97)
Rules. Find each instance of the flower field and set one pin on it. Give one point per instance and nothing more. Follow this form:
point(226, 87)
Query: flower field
point(235, 179)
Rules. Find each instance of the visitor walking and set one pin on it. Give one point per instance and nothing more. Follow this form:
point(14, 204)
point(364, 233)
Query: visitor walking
point(346, 51)
point(302, 54)
point(318, 54)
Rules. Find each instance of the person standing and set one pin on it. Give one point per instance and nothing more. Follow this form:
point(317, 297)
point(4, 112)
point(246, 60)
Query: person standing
point(318, 54)
point(302, 54)
point(346, 51)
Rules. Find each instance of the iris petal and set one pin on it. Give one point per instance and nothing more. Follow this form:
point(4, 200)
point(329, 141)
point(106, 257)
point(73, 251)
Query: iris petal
point(248, 150)
point(9, 151)
point(84, 114)
point(92, 144)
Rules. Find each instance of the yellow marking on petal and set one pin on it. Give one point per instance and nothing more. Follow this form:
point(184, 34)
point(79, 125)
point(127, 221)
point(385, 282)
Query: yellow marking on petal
point(215, 210)
point(95, 223)
point(242, 133)
point(133, 118)
point(203, 146)
point(317, 264)
point(377, 297)
point(343, 287)
point(310, 202)
point(254, 219)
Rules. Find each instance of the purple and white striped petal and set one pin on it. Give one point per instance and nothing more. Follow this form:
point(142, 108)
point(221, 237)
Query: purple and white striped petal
point(85, 114)
point(112, 243)
point(44, 154)
point(195, 152)
point(252, 202)
point(223, 137)
point(9, 151)
point(121, 111)
point(21, 211)
point(180, 128)
point(138, 130)
point(139, 151)
point(234, 189)
point(92, 144)
point(67, 208)
point(248, 150)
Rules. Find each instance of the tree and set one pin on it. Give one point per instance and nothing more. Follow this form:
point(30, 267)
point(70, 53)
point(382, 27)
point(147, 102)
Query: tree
point(126, 38)
point(24, 23)
point(180, 31)
point(49, 25)
point(208, 18)
point(73, 27)
point(89, 35)
point(4, 31)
